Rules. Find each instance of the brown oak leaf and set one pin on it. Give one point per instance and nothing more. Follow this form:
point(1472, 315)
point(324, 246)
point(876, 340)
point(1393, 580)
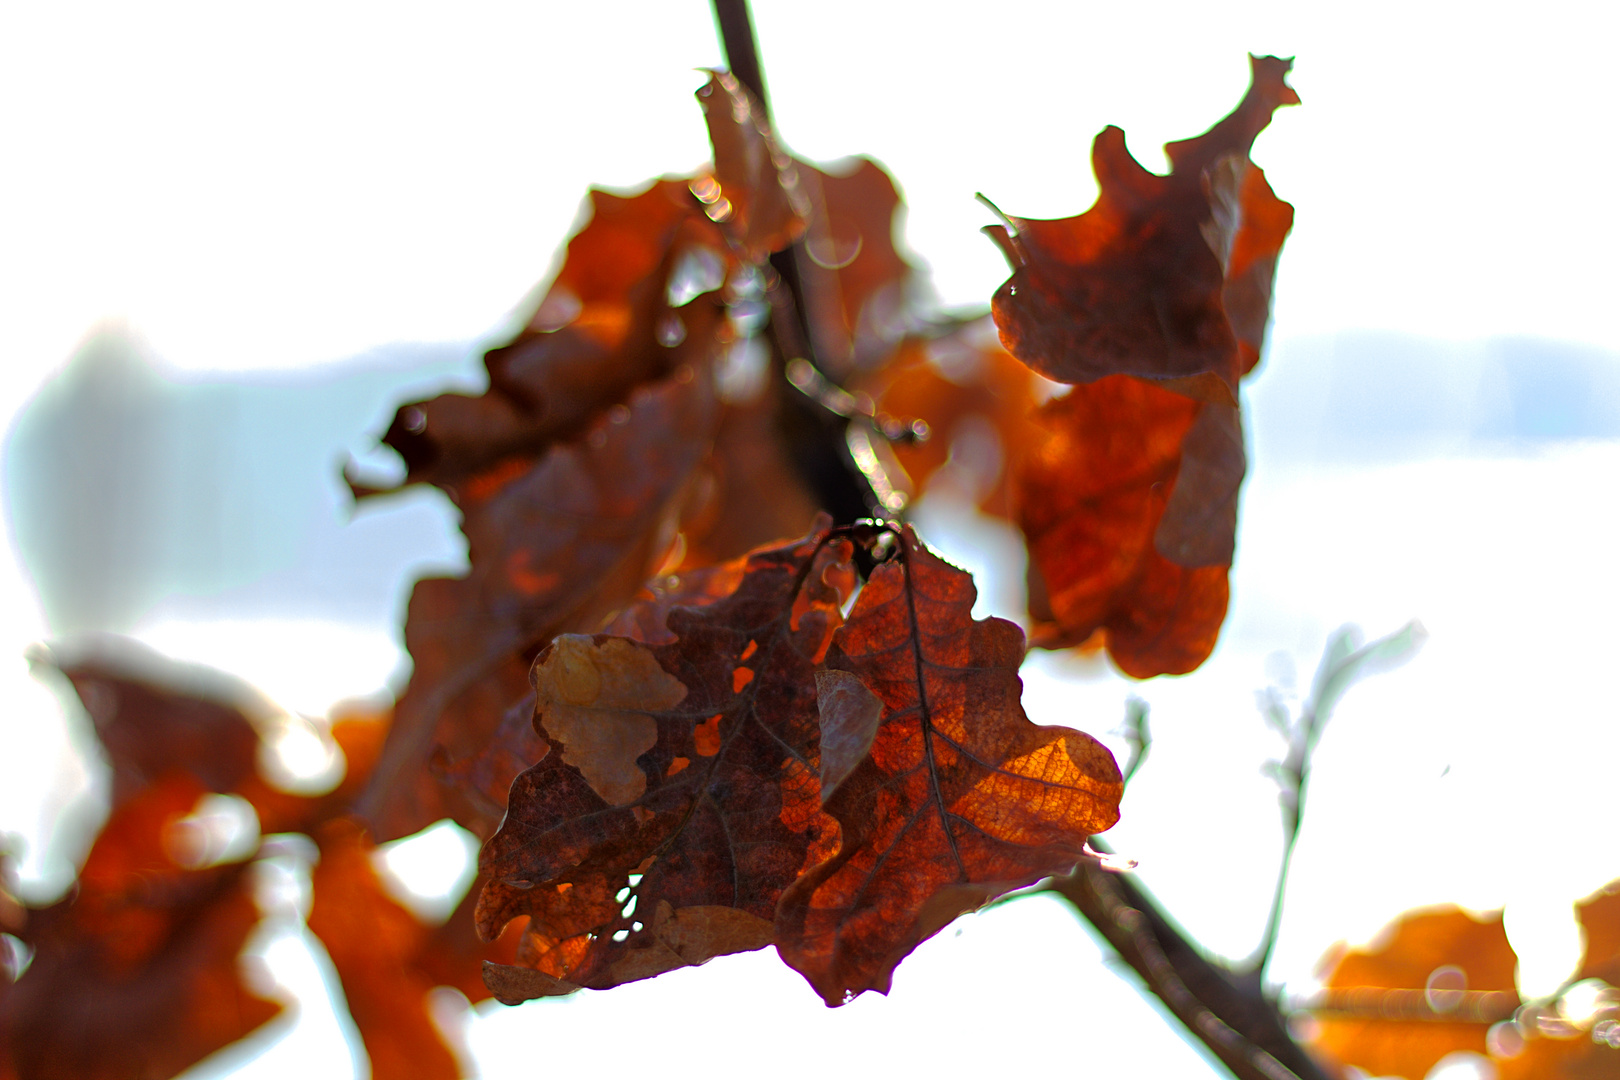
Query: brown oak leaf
point(679, 796)
point(961, 799)
point(754, 193)
point(1094, 495)
point(555, 548)
point(136, 972)
point(1140, 283)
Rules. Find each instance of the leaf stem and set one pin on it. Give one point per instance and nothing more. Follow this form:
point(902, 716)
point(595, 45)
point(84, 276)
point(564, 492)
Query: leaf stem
point(821, 455)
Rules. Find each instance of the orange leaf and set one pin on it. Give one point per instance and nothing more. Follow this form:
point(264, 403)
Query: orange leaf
point(1599, 915)
point(371, 941)
point(1094, 497)
point(961, 798)
point(1433, 986)
point(136, 973)
point(977, 402)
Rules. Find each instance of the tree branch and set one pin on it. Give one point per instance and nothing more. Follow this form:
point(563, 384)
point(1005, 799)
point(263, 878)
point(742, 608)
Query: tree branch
point(1239, 1025)
point(821, 455)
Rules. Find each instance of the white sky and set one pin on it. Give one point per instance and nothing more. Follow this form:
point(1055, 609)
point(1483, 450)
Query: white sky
point(285, 185)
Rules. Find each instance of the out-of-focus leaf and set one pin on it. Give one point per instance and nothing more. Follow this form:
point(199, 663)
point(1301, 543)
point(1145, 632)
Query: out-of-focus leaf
point(1433, 986)
point(371, 940)
point(754, 194)
point(1140, 283)
point(748, 491)
point(594, 337)
point(679, 795)
point(855, 280)
point(1092, 495)
point(1599, 915)
point(961, 798)
point(977, 402)
point(154, 715)
point(136, 972)
point(556, 548)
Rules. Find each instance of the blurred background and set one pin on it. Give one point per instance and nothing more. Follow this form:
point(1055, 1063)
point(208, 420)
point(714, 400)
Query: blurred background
point(236, 236)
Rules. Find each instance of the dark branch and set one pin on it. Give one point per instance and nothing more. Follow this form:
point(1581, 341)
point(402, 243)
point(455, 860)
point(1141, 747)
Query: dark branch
point(817, 438)
point(1237, 1023)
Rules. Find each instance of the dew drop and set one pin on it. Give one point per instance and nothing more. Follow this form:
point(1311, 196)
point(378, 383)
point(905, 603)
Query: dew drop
point(670, 331)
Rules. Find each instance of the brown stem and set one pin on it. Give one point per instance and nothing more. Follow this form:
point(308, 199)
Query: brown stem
point(1232, 1017)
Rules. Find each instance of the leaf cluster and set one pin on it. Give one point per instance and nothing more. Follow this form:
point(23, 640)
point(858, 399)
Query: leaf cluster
point(679, 734)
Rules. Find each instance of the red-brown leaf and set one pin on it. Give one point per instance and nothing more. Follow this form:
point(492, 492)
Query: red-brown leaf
point(153, 715)
point(754, 194)
point(1141, 283)
point(593, 338)
point(690, 764)
point(555, 548)
point(854, 277)
point(961, 799)
point(136, 973)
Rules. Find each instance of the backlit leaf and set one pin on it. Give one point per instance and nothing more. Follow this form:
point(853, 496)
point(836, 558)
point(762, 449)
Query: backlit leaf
point(554, 548)
point(754, 194)
point(961, 798)
point(371, 940)
point(1140, 283)
point(678, 797)
point(136, 972)
point(1433, 985)
point(1093, 496)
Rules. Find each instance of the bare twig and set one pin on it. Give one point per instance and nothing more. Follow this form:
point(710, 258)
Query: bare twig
point(1344, 661)
point(1136, 732)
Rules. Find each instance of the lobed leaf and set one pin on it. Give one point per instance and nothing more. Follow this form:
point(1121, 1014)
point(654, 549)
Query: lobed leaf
point(961, 799)
point(678, 797)
point(556, 548)
point(1139, 284)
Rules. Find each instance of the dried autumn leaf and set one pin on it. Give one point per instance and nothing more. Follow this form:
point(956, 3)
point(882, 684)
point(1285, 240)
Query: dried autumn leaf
point(558, 547)
point(1432, 987)
point(136, 973)
point(604, 327)
point(371, 940)
point(153, 715)
point(1140, 283)
point(750, 491)
point(1093, 497)
point(754, 193)
point(961, 798)
point(977, 401)
point(854, 278)
point(679, 795)
point(1599, 915)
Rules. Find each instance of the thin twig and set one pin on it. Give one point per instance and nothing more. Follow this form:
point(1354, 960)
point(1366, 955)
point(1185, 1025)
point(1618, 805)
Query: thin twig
point(1343, 663)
